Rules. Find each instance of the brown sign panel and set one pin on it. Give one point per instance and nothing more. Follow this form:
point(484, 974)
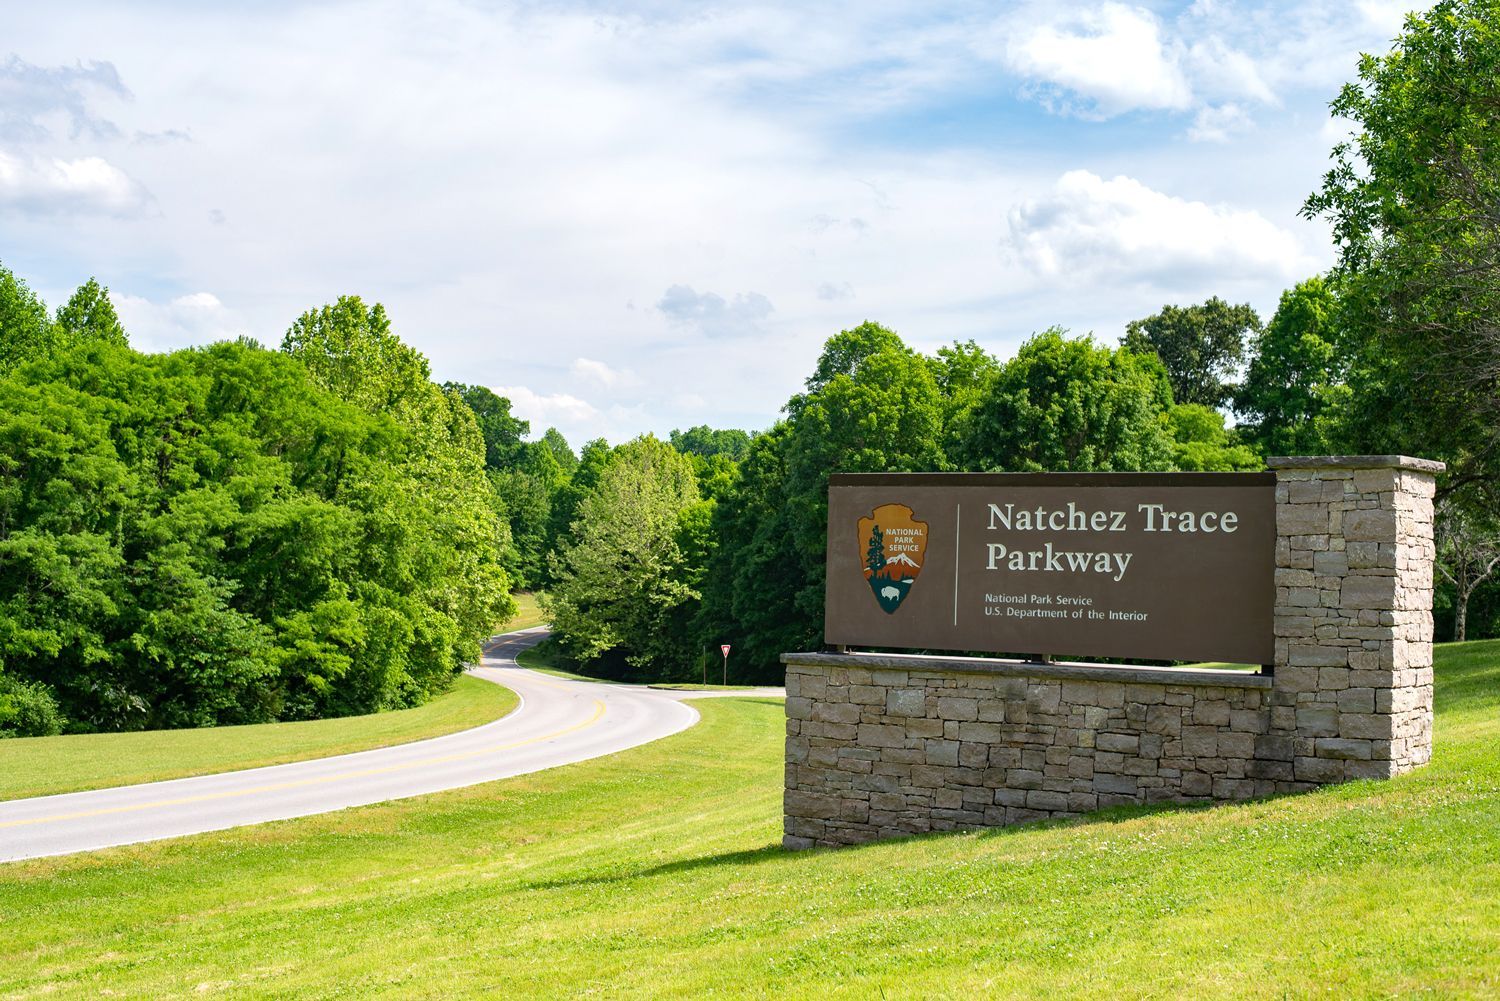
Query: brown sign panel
point(1156, 566)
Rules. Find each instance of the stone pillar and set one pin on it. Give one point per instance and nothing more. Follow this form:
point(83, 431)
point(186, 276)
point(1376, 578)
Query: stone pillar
point(1353, 619)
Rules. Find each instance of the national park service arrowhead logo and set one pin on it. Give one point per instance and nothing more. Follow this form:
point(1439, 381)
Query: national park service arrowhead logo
point(893, 544)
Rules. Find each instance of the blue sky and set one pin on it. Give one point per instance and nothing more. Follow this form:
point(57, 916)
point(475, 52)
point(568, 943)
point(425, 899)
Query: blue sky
point(633, 217)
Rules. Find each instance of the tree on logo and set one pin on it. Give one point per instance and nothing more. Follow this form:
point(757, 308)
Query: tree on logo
point(875, 556)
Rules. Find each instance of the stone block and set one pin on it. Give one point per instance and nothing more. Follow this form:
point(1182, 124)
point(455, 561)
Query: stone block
point(920, 727)
point(1082, 802)
point(1117, 784)
point(1023, 778)
point(1200, 741)
point(1376, 525)
point(1318, 770)
point(813, 805)
point(1040, 799)
point(1367, 726)
point(1301, 519)
point(866, 695)
point(1280, 771)
point(1236, 745)
point(1357, 700)
point(947, 799)
point(1210, 712)
point(905, 702)
point(942, 752)
point(1317, 722)
point(1302, 655)
point(836, 712)
point(982, 733)
point(880, 735)
point(1272, 747)
point(950, 708)
point(1331, 563)
point(1119, 743)
point(1338, 747)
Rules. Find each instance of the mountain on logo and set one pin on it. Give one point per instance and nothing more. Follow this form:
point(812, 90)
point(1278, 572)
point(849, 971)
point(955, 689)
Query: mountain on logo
point(892, 576)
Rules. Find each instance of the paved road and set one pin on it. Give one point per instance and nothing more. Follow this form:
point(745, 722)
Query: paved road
point(557, 723)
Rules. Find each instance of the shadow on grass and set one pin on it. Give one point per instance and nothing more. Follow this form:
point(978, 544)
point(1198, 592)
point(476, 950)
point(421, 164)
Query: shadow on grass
point(775, 852)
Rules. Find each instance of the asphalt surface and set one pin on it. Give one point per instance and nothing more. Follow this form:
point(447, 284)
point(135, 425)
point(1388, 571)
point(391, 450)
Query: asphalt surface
point(558, 722)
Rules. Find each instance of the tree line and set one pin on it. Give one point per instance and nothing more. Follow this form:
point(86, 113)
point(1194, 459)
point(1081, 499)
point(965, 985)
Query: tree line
point(232, 534)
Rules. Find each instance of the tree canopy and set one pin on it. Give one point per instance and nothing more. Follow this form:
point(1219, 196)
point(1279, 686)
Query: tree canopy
point(1412, 199)
point(216, 535)
point(1068, 403)
point(1201, 346)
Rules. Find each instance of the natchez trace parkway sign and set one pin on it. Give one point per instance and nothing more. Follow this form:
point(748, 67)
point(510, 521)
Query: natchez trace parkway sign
point(1159, 566)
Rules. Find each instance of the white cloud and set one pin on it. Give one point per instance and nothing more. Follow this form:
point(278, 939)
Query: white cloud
point(33, 99)
point(712, 314)
point(1387, 16)
point(1220, 70)
point(1218, 124)
point(1112, 56)
point(88, 184)
point(544, 410)
point(196, 318)
point(600, 374)
point(1090, 227)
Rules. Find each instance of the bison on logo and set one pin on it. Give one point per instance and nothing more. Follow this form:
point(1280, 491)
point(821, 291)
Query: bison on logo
point(893, 543)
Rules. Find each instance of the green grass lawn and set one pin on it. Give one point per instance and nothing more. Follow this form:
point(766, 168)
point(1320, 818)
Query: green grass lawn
point(41, 766)
point(529, 613)
point(657, 873)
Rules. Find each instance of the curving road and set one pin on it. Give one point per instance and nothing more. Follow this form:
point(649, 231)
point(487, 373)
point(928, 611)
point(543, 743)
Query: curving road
point(557, 723)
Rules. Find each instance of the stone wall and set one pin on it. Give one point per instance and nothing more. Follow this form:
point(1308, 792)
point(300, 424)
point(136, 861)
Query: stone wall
point(886, 745)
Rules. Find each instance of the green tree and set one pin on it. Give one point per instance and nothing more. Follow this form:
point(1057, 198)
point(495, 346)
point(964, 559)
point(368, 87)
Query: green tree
point(1295, 383)
point(961, 371)
point(756, 573)
point(1067, 403)
point(1468, 552)
point(1201, 346)
point(705, 441)
point(1201, 443)
point(351, 352)
point(620, 581)
point(562, 452)
point(25, 330)
point(503, 434)
point(1411, 199)
point(89, 315)
point(845, 352)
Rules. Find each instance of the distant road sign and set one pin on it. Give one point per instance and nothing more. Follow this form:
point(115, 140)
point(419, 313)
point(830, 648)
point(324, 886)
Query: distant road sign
point(724, 649)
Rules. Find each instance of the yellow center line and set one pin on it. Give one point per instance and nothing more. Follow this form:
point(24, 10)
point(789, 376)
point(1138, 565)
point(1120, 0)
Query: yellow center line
point(319, 780)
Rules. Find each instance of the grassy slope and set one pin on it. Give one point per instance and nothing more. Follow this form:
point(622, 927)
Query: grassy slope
point(528, 612)
point(655, 873)
point(41, 766)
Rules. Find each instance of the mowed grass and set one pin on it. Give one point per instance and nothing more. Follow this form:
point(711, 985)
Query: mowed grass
point(42, 766)
point(528, 612)
point(657, 873)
